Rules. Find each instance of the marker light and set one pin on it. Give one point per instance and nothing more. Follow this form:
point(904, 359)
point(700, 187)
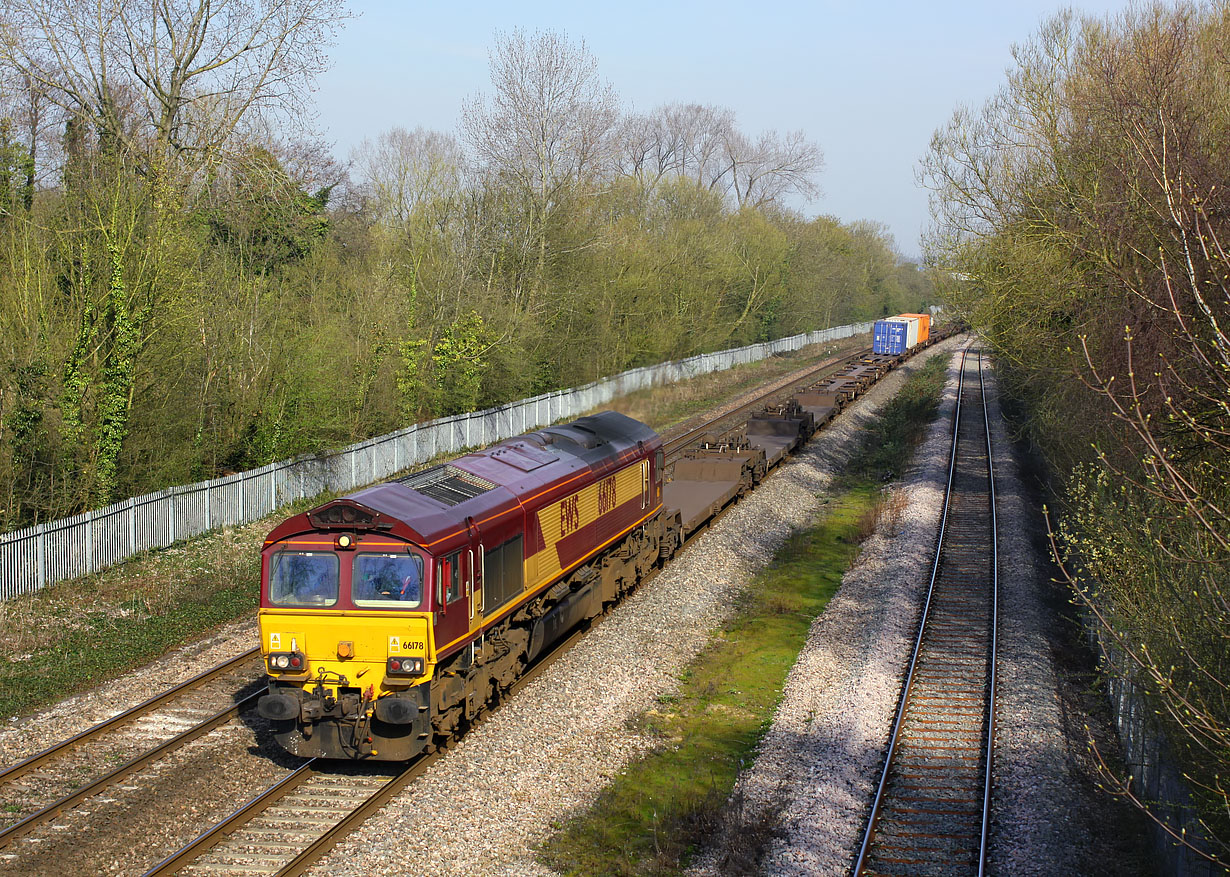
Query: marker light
point(405, 666)
point(294, 662)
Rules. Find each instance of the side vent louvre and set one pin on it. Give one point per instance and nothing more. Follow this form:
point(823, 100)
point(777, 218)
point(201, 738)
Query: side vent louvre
point(447, 484)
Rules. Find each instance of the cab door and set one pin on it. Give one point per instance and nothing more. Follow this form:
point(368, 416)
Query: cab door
point(453, 604)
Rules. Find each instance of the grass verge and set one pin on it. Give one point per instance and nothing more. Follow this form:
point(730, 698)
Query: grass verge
point(653, 816)
point(78, 634)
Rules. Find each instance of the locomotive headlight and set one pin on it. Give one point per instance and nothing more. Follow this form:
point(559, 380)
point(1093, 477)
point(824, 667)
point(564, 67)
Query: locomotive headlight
point(281, 661)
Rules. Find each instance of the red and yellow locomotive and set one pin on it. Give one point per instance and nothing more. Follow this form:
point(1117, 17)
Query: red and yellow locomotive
point(393, 615)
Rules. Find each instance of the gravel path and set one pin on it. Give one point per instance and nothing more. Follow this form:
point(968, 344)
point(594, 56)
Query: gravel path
point(551, 750)
point(1047, 815)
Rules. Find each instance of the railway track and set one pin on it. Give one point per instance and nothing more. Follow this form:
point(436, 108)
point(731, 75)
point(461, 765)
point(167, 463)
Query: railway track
point(39, 788)
point(292, 824)
point(931, 809)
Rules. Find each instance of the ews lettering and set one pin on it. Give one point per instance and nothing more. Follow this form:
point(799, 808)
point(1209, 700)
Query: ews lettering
point(606, 495)
point(569, 515)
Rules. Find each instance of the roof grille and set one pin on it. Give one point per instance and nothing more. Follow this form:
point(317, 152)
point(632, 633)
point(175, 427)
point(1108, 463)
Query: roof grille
point(448, 484)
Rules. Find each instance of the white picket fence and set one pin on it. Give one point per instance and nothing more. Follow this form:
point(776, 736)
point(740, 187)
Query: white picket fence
point(37, 556)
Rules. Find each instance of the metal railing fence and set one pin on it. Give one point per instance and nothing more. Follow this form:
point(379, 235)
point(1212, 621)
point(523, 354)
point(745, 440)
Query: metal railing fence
point(36, 556)
point(1157, 777)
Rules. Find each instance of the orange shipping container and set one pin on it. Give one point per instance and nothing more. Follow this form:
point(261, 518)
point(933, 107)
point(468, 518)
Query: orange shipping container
point(924, 326)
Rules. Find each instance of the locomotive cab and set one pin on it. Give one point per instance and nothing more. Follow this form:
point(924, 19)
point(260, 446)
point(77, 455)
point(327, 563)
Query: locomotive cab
point(346, 634)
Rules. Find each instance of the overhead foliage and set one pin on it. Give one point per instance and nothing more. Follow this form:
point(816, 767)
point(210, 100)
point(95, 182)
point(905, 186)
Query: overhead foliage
point(167, 316)
point(1084, 211)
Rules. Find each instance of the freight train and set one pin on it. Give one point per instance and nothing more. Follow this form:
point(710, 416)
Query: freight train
point(393, 617)
point(900, 334)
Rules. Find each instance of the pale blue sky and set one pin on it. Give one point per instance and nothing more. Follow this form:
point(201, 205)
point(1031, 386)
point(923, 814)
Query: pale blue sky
point(869, 83)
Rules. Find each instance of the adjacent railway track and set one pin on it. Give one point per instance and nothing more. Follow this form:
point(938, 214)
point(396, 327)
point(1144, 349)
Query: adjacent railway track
point(931, 809)
point(39, 788)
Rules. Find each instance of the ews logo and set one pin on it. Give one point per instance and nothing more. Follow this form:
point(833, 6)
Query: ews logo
point(569, 515)
point(606, 495)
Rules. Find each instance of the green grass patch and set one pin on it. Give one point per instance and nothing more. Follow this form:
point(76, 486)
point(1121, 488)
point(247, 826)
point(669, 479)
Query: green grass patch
point(98, 643)
point(889, 441)
point(652, 816)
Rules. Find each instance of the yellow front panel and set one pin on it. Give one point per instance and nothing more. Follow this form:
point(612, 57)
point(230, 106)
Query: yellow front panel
point(375, 638)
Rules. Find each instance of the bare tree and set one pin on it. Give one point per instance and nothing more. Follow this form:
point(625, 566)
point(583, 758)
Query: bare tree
point(702, 133)
point(175, 75)
point(545, 128)
point(400, 171)
point(704, 144)
point(765, 171)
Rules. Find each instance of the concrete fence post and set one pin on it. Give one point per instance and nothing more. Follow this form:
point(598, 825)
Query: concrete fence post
point(40, 575)
point(89, 541)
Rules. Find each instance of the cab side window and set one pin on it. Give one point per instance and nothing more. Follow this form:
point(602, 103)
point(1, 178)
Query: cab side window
point(453, 562)
point(448, 576)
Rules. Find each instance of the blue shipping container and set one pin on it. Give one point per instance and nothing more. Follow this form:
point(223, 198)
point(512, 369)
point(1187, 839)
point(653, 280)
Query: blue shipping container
point(889, 336)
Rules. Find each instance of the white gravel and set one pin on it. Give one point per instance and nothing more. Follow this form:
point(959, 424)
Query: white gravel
point(1041, 807)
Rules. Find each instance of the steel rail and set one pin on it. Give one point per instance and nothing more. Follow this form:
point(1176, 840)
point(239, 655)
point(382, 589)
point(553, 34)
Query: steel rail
point(917, 812)
point(322, 845)
point(28, 764)
point(56, 807)
point(990, 749)
point(211, 837)
point(316, 850)
point(909, 678)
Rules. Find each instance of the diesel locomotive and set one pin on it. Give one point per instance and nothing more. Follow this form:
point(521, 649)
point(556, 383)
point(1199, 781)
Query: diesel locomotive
point(390, 617)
